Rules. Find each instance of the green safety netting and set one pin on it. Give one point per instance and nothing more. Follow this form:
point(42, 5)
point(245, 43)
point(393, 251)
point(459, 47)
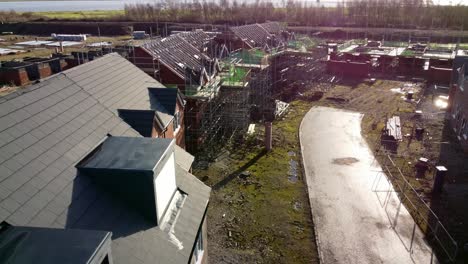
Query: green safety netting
point(254, 56)
point(236, 74)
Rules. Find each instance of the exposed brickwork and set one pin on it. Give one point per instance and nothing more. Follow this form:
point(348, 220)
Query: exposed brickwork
point(25, 72)
point(44, 70)
point(439, 75)
point(355, 69)
point(18, 77)
point(169, 132)
point(193, 117)
point(166, 76)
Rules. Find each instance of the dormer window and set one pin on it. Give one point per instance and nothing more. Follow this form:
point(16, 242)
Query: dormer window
point(140, 171)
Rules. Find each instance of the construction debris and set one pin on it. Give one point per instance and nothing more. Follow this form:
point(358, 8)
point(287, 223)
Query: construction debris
point(251, 129)
point(281, 108)
point(393, 128)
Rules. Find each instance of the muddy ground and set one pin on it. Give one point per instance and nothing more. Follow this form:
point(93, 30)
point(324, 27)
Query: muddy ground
point(259, 211)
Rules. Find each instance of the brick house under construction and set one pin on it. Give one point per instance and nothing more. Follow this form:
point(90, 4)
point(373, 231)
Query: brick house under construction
point(180, 61)
point(264, 36)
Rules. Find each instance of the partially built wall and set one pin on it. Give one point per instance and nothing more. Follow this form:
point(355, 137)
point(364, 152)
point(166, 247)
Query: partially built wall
point(294, 72)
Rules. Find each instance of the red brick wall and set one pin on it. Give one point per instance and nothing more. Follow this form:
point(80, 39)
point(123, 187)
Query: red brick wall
point(18, 76)
point(158, 133)
point(63, 64)
point(180, 137)
point(144, 61)
point(169, 132)
point(354, 69)
point(411, 66)
point(70, 63)
point(44, 70)
point(193, 120)
point(442, 63)
point(440, 75)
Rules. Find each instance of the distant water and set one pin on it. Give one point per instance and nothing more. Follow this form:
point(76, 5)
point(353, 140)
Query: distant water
point(42, 6)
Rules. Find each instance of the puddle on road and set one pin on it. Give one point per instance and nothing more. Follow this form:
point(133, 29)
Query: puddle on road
point(345, 161)
point(292, 176)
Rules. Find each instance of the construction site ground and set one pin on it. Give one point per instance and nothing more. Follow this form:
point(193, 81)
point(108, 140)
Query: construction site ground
point(11, 40)
point(262, 217)
point(259, 211)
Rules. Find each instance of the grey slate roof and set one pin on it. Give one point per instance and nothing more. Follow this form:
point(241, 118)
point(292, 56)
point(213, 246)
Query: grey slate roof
point(198, 38)
point(118, 84)
point(128, 153)
point(115, 82)
point(45, 130)
point(43, 133)
point(271, 27)
point(178, 55)
point(254, 34)
point(184, 159)
point(51, 245)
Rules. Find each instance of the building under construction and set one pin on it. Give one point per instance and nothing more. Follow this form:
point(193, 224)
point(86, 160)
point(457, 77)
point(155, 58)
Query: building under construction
point(242, 89)
point(219, 86)
point(416, 59)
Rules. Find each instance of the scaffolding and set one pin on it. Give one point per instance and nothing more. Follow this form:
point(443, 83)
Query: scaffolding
point(223, 113)
point(219, 103)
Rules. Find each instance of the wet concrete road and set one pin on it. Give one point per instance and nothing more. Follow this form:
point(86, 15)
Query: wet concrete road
point(352, 216)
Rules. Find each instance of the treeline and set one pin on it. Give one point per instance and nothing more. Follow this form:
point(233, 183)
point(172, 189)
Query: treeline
point(360, 13)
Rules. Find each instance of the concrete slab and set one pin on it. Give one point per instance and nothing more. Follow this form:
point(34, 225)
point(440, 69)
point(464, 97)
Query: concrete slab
point(353, 204)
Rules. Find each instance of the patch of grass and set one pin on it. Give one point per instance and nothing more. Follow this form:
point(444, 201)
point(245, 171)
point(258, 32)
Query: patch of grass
point(407, 52)
point(303, 41)
point(79, 15)
point(263, 218)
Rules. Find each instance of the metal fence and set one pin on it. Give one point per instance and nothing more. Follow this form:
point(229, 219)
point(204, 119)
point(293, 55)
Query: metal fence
point(424, 225)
